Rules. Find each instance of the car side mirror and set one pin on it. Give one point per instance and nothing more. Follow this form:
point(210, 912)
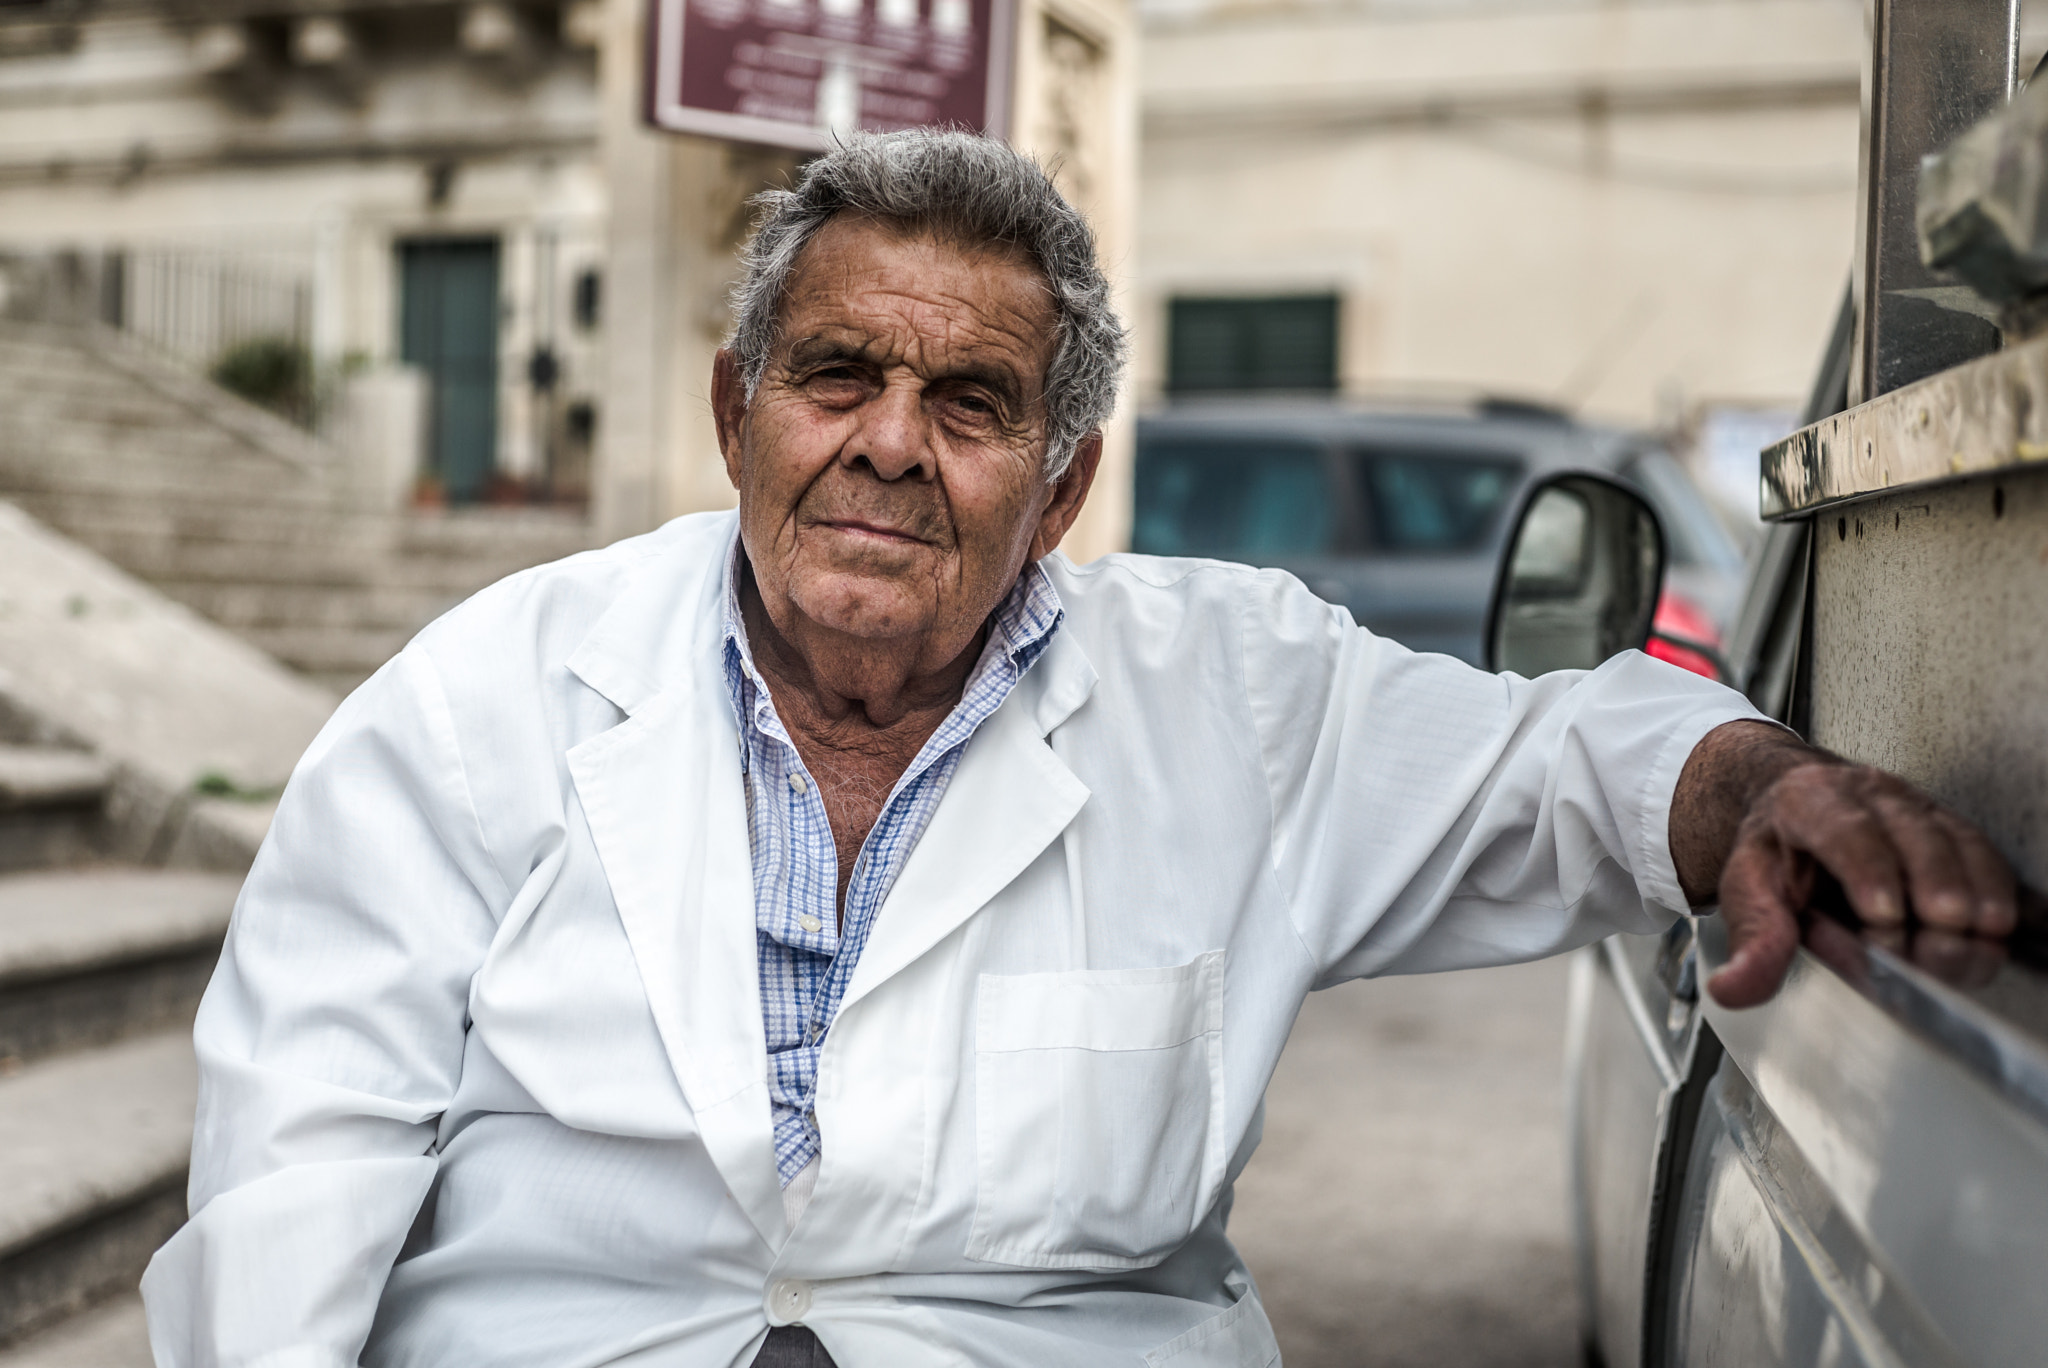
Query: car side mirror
point(1580, 579)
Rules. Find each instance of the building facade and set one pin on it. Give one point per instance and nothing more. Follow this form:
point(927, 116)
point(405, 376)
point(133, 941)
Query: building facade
point(499, 285)
point(1635, 210)
point(376, 185)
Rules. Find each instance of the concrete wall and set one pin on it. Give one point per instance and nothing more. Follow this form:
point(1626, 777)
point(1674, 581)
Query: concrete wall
point(1928, 648)
point(1077, 111)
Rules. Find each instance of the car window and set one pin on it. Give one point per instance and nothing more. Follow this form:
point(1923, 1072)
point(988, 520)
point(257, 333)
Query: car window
point(1692, 533)
point(1424, 501)
point(1243, 500)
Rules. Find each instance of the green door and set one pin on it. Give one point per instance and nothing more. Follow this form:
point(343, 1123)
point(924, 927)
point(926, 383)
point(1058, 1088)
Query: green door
point(448, 327)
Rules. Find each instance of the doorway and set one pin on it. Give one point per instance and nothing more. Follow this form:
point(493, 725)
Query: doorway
point(448, 327)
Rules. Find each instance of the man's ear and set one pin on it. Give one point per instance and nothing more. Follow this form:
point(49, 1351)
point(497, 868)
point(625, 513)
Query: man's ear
point(1067, 496)
point(728, 410)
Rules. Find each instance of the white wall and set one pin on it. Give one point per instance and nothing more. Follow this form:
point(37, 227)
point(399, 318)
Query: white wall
point(1632, 209)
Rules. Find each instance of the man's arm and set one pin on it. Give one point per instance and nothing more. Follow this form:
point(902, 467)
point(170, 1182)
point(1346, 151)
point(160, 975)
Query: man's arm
point(1429, 816)
point(1757, 811)
point(329, 1043)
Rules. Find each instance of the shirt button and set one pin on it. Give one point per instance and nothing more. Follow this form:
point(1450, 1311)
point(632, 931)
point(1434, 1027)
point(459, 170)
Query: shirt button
point(789, 1301)
point(796, 783)
point(810, 923)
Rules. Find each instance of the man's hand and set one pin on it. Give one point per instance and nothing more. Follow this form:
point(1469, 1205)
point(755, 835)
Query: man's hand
point(1758, 813)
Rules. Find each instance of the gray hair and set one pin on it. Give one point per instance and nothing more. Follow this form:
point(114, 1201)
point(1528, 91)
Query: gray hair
point(967, 189)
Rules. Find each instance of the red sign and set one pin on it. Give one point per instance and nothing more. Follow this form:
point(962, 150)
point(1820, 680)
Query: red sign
point(792, 73)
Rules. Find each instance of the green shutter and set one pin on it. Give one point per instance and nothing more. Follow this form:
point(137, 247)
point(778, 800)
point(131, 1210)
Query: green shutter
point(1282, 342)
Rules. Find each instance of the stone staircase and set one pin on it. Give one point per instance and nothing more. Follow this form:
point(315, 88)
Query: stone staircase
point(234, 512)
point(135, 741)
point(103, 956)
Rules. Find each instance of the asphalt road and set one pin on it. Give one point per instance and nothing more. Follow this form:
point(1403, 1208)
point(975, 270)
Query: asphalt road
point(1407, 1206)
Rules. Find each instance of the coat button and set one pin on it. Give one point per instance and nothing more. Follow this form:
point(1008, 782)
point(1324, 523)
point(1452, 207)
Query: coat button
point(789, 1301)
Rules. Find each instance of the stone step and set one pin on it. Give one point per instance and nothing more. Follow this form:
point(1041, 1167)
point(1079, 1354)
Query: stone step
point(79, 458)
point(60, 374)
point(97, 1144)
point(203, 541)
point(43, 776)
point(112, 1334)
point(245, 607)
point(241, 517)
point(152, 372)
point(51, 806)
point(177, 506)
point(93, 954)
point(338, 657)
point(187, 521)
point(171, 562)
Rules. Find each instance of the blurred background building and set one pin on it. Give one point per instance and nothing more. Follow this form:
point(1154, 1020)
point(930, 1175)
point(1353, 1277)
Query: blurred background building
point(295, 197)
point(1640, 211)
point(474, 297)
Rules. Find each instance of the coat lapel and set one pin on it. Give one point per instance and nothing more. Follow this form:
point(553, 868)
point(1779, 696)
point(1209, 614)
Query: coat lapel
point(666, 804)
point(1010, 798)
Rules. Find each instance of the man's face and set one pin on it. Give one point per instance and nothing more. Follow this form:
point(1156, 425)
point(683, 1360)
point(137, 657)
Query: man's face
point(890, 465)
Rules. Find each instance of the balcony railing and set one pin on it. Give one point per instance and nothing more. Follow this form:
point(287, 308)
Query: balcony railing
point(241, 318)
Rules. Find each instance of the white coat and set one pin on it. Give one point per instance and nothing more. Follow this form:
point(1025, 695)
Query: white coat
point(483, 1073)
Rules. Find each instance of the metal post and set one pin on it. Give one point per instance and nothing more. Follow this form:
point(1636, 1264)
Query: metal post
point(1934, 68)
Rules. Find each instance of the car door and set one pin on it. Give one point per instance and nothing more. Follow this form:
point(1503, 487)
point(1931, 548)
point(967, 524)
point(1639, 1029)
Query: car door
point(1632, 1034)
point(1639, 1057)
point(1864, 1179)
point(1855, 1173)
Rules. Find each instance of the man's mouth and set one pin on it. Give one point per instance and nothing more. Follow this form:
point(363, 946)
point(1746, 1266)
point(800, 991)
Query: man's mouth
point(861, 527)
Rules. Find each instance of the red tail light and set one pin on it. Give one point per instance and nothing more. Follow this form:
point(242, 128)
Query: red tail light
point(1681, 617)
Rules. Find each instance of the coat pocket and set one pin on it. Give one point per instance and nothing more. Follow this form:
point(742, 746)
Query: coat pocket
point(1098, 1113)
point(1240, 1337)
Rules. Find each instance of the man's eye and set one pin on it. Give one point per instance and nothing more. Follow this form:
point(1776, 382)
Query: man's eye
point(835, 382)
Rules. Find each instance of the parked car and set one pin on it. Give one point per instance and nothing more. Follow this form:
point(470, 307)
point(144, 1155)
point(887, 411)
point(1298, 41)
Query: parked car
point(1398, 513)
point(1856, 1173)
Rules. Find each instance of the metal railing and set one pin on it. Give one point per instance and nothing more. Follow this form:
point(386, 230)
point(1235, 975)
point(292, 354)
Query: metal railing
point(242, 318)
point(201, 305)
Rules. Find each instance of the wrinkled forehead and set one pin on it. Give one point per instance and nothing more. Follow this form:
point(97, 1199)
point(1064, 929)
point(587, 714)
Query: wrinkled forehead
point(856, 260)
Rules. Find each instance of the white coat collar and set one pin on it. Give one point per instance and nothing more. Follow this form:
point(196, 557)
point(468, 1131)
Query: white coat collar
point(666, 804)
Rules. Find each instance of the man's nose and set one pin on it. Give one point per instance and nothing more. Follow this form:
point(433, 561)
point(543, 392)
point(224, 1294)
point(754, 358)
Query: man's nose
point(893, 438)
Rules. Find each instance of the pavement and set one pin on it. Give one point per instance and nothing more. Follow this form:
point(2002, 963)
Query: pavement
point(110, 1335)
point(1407, 1207)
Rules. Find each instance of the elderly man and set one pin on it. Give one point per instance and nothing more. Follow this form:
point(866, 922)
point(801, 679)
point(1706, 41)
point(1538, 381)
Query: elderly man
point(848, 932)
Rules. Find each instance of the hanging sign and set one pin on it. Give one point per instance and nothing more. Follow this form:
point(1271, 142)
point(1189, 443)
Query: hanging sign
point(792, 73)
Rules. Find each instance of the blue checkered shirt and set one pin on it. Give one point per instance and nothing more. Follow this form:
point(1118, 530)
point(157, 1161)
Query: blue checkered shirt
point(806, 957)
